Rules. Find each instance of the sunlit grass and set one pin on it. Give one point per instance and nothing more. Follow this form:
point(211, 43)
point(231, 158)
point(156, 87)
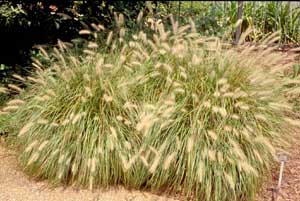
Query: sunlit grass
point(164, 110)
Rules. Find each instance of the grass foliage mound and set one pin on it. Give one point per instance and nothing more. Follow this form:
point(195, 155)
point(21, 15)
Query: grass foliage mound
point(169, 110)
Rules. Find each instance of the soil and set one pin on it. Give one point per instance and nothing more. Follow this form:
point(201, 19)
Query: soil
point(290, 186)
point(17, 186)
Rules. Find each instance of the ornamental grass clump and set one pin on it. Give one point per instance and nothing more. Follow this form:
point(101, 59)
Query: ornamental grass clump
point(169, 109)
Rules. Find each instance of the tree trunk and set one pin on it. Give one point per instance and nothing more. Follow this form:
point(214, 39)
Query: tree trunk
point(239, 27)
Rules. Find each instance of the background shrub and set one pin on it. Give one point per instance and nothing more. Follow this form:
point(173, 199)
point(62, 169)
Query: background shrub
point(26, 24)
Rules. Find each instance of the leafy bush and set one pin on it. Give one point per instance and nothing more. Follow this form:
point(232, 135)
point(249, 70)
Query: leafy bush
point(25, 24)
point(10, 15)
point(169, 109)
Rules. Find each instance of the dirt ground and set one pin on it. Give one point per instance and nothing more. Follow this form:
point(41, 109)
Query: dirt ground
point(290, 187)
point(16, 186)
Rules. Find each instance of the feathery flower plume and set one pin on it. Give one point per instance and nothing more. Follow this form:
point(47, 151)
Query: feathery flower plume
point(93, 165)
point(190, 143)
point(195, 97)
point(100, 150)
point(122, 33)
point(110, 143)
point(42, 121)
point(76, 118)
point(228, 94)
point(10, 108)
point(212, 134)
point(201, 171)
point(154, 165)
point(222, 81)
point(92, 45)
point(91, 182)
point(41, 147)
point(278, 106)
point(206, 104)
point(244, 107)
point(129, 105)
point(127, 122)
point(60, 174)
point(168, 112)
point(68, 161)
point(61, 158)
point(15, 87)
point(54, 124)
point(88, 91)
point(33, 158)
point(229, 180)
point(144, 160)
point(169, 160)
point(19, 77)
point(139, 17)
point(107, 98)
point(128, 164)
point(212, 155)
point(109, 38)
point(183, 29)
point(258, 156)
point(86, 77)
point(89, 52)
point(65, 122)
point(220, 156)
point(43, 51)
point(223, 112)
point(54, 152)
point(248, 168)
point(179, 90)
point(178, 143)
point(237, 149)
point(98, 66)
point(25, 129)
point(3, 90)
point(225, 88)
point(85, 32)
point(97, 27)
point(30, 146)
point(260, 117)
point(119, 118)
point(292, 121)
point(217, 94)
point(183, 75)
point(235, 116)
point(215, 109)
point(227, 128)
point(88, 164)
point(39, 81)
point(51, 92)
point(113, 132)
point(74, 168)
point(108, 66)
point(127, 145)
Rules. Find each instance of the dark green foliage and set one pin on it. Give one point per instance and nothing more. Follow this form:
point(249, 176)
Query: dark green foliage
point(24, 24)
